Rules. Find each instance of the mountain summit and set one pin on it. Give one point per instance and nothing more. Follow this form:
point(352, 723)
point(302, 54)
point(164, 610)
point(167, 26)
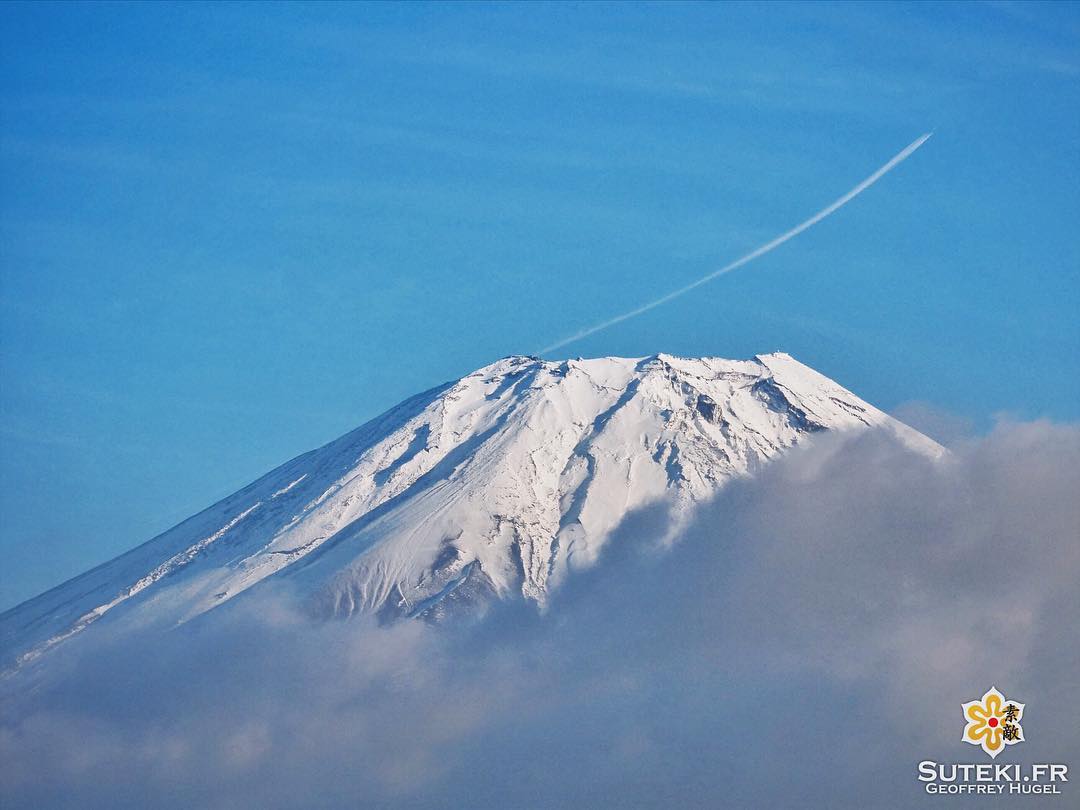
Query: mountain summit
point(498, 484)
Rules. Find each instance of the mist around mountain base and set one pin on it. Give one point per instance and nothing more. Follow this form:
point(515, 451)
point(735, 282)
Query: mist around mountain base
point(807, 639)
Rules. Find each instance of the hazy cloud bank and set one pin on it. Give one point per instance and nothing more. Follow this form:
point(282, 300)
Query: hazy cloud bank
point(808, 641)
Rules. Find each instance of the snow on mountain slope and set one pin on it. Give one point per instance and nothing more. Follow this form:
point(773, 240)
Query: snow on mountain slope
point(500, 483)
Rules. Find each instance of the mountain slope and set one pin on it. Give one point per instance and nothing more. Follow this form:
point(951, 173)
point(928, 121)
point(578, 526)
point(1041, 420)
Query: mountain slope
point(500, 483)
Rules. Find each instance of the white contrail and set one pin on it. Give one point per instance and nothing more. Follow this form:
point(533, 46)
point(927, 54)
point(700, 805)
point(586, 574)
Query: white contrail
point(761, 251)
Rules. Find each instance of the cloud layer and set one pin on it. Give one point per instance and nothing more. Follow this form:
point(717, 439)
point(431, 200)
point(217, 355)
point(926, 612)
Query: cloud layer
point(808, 640)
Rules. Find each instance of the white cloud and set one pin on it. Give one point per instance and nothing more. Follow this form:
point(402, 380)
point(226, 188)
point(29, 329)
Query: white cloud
point(828, 617)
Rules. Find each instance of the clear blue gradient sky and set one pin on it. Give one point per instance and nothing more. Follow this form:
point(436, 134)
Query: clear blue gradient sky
point(230, 233)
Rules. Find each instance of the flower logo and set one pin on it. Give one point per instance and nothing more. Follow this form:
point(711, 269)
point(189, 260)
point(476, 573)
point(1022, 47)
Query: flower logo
point(993, 722)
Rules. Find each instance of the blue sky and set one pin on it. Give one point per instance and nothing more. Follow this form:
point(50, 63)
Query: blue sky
point(229, 233)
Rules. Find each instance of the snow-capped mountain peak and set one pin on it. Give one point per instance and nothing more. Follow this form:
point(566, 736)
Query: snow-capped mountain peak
point(501, 483)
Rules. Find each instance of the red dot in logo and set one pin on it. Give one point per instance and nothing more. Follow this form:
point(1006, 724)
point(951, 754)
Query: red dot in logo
point(992, 722)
